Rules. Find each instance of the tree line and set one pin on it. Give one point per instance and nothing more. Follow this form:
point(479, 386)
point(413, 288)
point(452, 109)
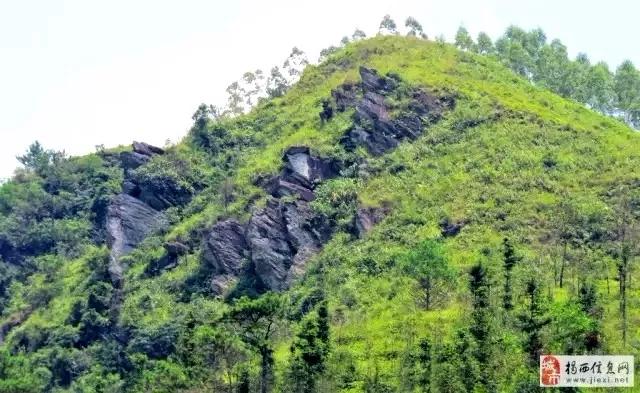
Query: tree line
point(528, 53)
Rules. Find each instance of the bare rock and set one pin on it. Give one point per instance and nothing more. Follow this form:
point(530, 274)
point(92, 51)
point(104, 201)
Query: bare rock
point(271, 251)
point(372, 81)
point(367, 217)
point(146, 149)
point(225, 247)
point(129, 222)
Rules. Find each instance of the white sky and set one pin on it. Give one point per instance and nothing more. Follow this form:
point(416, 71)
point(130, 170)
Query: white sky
point(75, 74)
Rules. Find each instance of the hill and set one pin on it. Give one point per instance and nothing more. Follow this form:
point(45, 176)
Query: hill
point(408, 217)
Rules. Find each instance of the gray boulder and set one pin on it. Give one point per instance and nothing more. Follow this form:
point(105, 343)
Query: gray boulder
point(305, 169)
point(146, 149)
point(271, 251)
point(282, 237)
point(129, 221)
point(366, 218)
point(372, 81)
point(225, 247)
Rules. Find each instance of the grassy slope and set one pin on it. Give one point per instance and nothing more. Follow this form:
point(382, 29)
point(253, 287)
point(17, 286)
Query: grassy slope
point(477, 174)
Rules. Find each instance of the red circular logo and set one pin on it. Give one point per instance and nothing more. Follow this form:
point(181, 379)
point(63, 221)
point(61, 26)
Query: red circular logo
point(549, 370)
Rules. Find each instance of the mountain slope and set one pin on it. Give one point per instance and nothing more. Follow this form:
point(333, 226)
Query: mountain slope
point(419, 167)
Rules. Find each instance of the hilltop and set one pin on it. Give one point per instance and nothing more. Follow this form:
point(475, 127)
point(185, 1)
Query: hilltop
point(407, 217)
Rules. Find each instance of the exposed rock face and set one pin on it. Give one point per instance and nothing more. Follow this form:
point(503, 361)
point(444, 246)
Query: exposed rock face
point(371, 81)
point(156, 193)
point(451, 228)
point(375, 128)
point(281, 237)
point(345, 96)
point(161, 195)
point(271, 251)
point(367, 217)
point(146, 149)
point(307, 170)
point(302, 172)
point(141, 154)
point(225, 247)
point(129, 222)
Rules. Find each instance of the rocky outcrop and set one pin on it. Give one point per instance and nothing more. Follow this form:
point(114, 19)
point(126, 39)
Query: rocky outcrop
point(301, 173)
point(366, 218)
point(277, 241)
point(372, 81)
point(141, 154)
point(374, 126)
point(129, 222)
point(225, 247)
point(159, 193)
point(271, 251)
point(281, 237)
point(449, 228)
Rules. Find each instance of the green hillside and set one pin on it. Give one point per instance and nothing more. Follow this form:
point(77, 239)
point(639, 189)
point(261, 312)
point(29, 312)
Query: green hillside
point(456, 222)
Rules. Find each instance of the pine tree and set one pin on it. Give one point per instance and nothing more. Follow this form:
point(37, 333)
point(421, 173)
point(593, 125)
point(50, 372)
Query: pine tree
point(532, 320)
point(510, 259)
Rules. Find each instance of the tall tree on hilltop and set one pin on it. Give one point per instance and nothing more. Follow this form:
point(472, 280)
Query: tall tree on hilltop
point(276, 83)
point(485, 44)
point(235, 99)
point(627, 87)
point(415, 28)
point(463, 40)
point(358, 35)
point(387, 26)
point(599, 85)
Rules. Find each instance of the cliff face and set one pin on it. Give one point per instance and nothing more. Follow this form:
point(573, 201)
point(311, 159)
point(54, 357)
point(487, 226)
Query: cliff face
point(353, 235)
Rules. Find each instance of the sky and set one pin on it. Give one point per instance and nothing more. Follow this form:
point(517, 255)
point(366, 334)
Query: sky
point(77, 74)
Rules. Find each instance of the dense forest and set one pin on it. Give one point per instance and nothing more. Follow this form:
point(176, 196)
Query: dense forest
point(408, 215)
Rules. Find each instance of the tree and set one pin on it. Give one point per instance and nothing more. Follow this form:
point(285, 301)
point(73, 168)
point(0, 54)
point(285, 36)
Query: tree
point(235, 99)
point(519, 49)
point(309, 350)
point(598, 88)
point(358, 35)
point(387, 26)
point(485, 45)
point(481, 317)
point(626, 236)
point(294, 65)
point(510, 259)
point(276, 83)
point(344, 41)
point(415, 28)
point(463, 39)
point(326, 52)
point(253, 86)
point(40, 160)
point(256, 319)
point(627, 88)
point(429, 266)
point(532, 320)
point(554, 70)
